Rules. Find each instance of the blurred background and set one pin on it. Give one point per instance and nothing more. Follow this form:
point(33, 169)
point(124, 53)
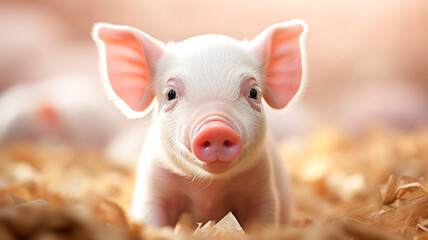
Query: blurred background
point(367, 62)
point(361, 120)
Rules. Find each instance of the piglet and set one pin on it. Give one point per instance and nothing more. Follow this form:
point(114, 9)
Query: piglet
point(207, 152)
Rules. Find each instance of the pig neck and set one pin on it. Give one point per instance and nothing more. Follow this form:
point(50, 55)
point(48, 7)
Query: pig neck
point(261, 164)
point(259, 174)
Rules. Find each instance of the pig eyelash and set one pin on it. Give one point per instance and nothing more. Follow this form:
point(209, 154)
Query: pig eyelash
point(173, 89)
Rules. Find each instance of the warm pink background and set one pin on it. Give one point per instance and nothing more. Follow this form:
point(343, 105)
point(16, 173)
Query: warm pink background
point(367, 60)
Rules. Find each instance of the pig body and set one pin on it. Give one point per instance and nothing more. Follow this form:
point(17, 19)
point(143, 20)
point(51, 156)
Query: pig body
point(65, 108)
point(206, 152)
point(259, 192)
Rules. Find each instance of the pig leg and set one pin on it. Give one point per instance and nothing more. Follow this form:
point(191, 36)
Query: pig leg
point(155, 213)
point(150, 209)
point(153, 190)
point(260, 211)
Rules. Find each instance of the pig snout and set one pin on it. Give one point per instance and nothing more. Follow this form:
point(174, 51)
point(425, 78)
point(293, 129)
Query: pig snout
point(216, 140)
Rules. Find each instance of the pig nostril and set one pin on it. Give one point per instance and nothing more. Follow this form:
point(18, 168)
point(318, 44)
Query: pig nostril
point(216, 141)
point(206, 144)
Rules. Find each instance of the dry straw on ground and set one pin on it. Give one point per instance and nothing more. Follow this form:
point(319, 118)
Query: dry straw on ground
point(372, 186)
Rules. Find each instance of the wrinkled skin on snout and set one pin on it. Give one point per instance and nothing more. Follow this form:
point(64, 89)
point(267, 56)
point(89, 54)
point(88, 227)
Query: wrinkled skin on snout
point(207, 152)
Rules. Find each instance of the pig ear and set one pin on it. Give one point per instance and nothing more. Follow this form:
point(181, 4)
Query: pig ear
point(279, 48)
point(128, 58)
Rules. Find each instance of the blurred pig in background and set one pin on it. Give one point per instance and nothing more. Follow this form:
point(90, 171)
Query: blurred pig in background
point(367, 63)
point(63, 108)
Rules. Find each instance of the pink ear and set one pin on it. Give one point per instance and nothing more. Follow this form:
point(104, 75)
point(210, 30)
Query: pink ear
point(130, 57)
point(279, 49)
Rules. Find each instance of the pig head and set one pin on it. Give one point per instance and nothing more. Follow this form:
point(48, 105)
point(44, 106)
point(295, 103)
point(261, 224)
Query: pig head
point(205, 97)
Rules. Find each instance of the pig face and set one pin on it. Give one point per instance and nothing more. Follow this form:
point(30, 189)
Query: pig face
point(209, 118)
point(210, 114)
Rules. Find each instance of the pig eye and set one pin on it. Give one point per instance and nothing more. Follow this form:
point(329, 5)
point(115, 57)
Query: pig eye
point(253, 93)
point(172, 95)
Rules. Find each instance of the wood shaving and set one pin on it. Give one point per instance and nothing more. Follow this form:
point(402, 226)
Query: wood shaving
point(423, 225)
point(398, 187)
